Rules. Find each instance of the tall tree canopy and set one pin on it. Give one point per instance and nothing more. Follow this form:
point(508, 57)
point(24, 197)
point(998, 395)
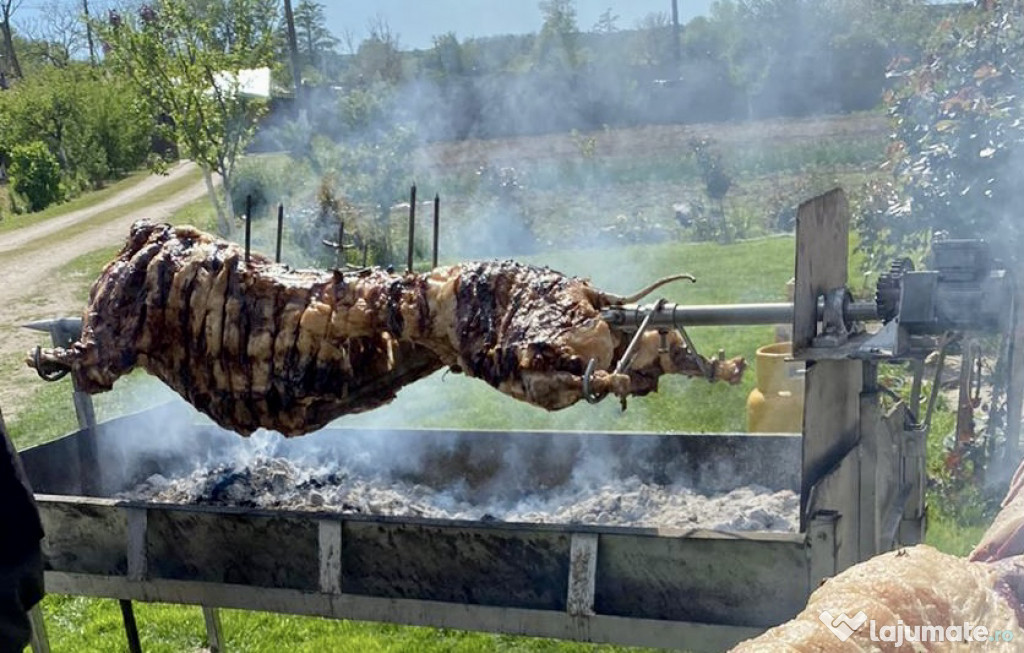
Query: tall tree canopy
point(557, 45)
point(185, 58)
point(315, 41)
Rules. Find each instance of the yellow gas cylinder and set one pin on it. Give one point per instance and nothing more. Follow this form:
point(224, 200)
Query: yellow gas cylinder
point(776, 405)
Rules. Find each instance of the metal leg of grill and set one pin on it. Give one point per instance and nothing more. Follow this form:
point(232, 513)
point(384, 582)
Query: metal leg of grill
point(131, 629)
point(214, 632)
point(40, 641)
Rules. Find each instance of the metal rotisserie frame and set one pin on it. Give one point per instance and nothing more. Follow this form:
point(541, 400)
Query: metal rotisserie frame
point(859, 471)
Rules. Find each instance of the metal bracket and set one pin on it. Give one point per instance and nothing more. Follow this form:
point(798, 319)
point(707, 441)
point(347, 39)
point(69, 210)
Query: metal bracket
point(621, 367)
point(835, 329)
point(627, 356)
point(705, 369)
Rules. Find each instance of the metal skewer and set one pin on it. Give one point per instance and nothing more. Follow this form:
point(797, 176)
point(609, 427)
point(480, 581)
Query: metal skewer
point(412, 227)
point(280, 230)
point(437, 221)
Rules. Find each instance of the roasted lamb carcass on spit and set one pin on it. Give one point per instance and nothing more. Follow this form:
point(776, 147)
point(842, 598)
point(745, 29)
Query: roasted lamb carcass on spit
point(260, 345)
point(915, 588)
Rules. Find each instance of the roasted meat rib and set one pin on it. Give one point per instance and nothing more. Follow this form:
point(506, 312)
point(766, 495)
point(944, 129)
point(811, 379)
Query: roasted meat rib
point(260, 345)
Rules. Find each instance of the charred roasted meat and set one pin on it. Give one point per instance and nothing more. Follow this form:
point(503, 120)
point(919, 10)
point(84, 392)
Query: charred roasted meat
point(259, 345)
point(915, 588)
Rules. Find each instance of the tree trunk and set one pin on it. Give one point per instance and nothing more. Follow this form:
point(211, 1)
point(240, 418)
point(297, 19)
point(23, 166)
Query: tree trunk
point(88, 32)
point(5, 27)
point(293, 49)
point(223, 221)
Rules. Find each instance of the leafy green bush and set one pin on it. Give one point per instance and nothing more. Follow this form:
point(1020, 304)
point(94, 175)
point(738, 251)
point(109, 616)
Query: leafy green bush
point(95, 125)
point(269, 180)
point(35, 174)
point(120, 123)
point(958, 139)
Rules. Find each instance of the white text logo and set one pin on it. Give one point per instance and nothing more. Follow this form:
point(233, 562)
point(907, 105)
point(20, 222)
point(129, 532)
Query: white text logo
point(843, 626)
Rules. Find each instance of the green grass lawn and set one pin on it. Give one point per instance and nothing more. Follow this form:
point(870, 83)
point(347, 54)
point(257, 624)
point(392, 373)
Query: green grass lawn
point(80, 625)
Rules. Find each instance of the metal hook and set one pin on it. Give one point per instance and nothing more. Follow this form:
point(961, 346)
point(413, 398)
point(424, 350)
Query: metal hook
point(627, 356)
point(52, 376)
point(588, 393)
point(705, 369)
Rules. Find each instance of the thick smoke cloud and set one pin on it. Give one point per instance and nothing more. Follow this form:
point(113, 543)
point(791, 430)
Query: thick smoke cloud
point(489, 190)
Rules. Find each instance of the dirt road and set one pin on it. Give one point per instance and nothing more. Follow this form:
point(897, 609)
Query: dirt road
point(27, 288)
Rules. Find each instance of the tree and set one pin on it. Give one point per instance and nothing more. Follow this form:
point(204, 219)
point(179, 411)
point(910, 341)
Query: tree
point(557, 47)
point(58, 33)
point(959, 138)
point(7, 9)
point(446, 59)
point(370, 168)
point(378, 58)
point(186, 59)
point(607, 22)
point(35, 174)
point(88, 32)
point(654, 34)
point(94, 124)
point(315, 41)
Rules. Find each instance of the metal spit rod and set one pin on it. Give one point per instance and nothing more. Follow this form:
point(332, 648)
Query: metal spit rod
point(682, 315)
point(631, 317)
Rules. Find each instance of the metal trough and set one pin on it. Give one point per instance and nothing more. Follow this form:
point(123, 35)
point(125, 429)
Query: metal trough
point(705, 590)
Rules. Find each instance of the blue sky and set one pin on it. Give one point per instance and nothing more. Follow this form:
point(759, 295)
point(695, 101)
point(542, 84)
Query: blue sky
point(417, 21)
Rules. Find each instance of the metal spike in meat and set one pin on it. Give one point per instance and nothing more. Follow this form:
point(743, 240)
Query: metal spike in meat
point(260, 345)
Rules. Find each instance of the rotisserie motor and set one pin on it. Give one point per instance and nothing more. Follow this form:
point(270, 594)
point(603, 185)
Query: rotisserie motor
point(260, 345)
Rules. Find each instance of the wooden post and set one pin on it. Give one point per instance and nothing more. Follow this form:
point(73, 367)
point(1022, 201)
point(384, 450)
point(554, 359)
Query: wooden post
point(341, 245)
point(1015, 386)
point(676, 53)
point(582, 574)
point(822, 252)
point(832, 387)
